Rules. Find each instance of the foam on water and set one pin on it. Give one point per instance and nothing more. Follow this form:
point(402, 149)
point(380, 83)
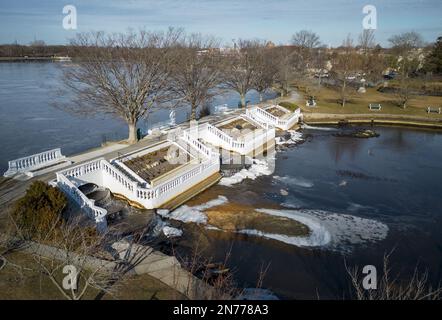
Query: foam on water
point(332, 230)
point(192, 214)
point(295, 137)
point(299, 182)
point(306, 126)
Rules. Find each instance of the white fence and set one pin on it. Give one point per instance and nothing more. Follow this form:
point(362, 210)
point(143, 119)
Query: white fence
point(98, 214)
point(247, 144)
point(34, 162)
point(102, 173)
point(284, 124)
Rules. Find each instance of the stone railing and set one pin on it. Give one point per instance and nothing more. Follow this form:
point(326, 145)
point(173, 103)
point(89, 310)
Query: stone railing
point(257, 112)
point(256, 121)
point(284, 124)
point(244, 145)
point(201, 148)
point(103, 173)
point(33, 162)
point(224, 137)
point(96, 213)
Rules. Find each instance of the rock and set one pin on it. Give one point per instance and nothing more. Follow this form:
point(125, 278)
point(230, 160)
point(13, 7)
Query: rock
point(362, 90)
point(364, 133)
point(284, 192)
point(234, 217)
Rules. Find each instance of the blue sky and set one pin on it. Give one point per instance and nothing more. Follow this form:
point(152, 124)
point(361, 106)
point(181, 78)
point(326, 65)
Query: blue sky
point(276, 20)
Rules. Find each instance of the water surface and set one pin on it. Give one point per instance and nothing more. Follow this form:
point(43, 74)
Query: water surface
point(372, 195)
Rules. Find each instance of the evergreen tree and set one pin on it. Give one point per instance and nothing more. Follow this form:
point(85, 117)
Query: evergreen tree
point(433, 62)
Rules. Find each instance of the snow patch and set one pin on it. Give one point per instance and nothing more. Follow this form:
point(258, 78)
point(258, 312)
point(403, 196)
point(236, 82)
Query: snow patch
point(193, 214)
point(171, 232)
point(258, 168)
point(295, 137)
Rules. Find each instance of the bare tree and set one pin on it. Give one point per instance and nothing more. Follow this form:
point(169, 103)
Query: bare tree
point(407, 62)
point(196, 74)
point(72, 252)
point(391, 288)
point(122, 75)
point(285, 57)
point(266, 70)
point(367, 39)
point(345, 64)
point(239, 69)
point(306, 39)
point(372, 60)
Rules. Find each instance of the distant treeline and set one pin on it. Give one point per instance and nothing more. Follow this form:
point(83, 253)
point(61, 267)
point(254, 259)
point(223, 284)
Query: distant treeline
point(16, 50)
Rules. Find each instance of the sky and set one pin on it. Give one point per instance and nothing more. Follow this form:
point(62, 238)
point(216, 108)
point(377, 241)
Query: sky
point(275, 20)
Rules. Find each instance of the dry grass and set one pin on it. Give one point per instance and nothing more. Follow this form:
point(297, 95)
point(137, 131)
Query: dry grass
point(328, 102)
point(20, 279)
point(240, 124)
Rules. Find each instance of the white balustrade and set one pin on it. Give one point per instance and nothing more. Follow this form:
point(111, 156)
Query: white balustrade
point(33, 162)
point(114, 179)
point(88, 205)
point(245, 145)
point(284, 124)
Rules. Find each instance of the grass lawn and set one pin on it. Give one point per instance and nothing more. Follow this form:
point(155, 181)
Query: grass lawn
point(327, 102)
point(30, 285)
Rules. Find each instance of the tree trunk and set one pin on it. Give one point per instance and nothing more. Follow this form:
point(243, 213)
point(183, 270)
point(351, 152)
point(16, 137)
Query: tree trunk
point(243, 100)
point(193, 113)
point(132, 133)
point(343, 93)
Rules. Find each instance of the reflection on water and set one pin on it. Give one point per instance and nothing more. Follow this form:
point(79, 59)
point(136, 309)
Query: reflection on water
point(390, 200)
point(29, 123)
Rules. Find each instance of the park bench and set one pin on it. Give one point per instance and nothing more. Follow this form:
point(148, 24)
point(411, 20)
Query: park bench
point(433, 110)
point(374, 106)
point(310, 103)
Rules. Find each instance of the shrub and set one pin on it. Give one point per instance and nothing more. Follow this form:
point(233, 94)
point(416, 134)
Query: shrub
point(289, 105)
point(204, 111)
point(39, 210)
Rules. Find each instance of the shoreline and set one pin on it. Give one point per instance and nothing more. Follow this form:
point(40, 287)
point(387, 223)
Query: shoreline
point(374, 119)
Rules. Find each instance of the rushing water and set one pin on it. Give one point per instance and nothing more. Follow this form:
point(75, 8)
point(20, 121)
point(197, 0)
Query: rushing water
point(30, 124)
point(363, 197)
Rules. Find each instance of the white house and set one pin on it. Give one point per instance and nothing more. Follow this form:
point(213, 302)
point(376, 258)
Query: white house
point(275, 115)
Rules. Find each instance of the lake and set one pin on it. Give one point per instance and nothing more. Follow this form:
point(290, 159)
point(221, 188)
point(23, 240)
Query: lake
point(30, 124)
point(363, 197)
